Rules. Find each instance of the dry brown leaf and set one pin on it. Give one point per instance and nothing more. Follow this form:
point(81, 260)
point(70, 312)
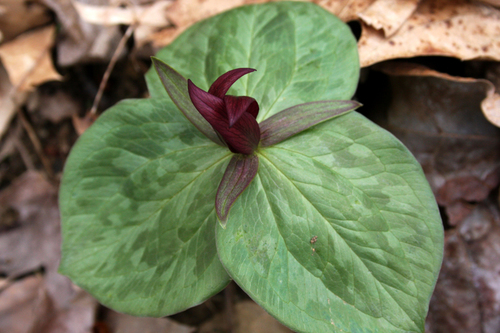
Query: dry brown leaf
point(77, 316)
point(388, 15)
point(249, 317)
point(24, 306)
point(346, 10)
point(10, 100)
point(18, 16)
point(122, 323)
point(439, 118)
point(490, 104)
point(467, 294)
point(151, 15)
point(459, 28)
point(27, 58)
point(78, 40)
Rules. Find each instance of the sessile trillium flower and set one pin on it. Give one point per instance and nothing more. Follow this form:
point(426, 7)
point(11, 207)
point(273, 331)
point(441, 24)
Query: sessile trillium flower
point(232, 117)
point(232, 121)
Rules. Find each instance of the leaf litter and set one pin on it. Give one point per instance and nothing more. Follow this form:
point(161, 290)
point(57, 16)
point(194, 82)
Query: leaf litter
point(442, 118)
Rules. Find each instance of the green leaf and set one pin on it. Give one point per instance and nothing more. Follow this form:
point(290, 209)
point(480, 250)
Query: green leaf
point(302, 53)
point(338, 232)
point(137, 207)
point(296, 119)
point(239, 173)
point(177, 88)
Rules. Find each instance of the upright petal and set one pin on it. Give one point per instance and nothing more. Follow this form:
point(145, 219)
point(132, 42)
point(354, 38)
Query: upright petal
point(236, 106)
point(209, 106)
point(243, 137)
point(220, 87)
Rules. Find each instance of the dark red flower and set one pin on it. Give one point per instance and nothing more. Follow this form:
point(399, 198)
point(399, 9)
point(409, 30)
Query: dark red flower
point(232, 117)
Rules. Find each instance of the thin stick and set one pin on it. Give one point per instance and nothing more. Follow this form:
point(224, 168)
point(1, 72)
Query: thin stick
point(112, 63)
point(36, 144)
point(27, 126)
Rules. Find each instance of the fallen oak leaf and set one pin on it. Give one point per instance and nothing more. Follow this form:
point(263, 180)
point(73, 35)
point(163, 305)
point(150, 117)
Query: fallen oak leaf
point(151, 15)
point(27, 58)
point(439, 118)
point(461, 29)
point(388, 15)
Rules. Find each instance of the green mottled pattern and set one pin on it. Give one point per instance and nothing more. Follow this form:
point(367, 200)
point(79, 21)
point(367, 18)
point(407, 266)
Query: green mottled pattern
point(379, 241)
point(137, 205)
point(301, 52)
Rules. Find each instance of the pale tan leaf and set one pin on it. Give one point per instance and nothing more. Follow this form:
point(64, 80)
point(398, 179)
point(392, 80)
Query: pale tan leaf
point(27, 58)
point(491, 107)
point(458, 28)
point(346, 10)
point(388, 15)
point(10, 99)
point(153, 15)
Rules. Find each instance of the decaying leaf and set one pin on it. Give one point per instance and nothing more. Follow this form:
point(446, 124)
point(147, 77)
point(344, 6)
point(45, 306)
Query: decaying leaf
point(148, 18)
point(123, 323)
point(467, 295)
point(439, 118)
point(458, 28)
point(80, 41)
point(18, 16)
point(388, 15)
point(24, 306)
point(249, 317)
point(346, 10)
point(152, 14)
point(27, 58)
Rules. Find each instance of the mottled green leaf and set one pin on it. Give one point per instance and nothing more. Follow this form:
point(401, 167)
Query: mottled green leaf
point(177, 88)
point(137, 206)
point(302, 53)
point(298, 118)
point(338, 232)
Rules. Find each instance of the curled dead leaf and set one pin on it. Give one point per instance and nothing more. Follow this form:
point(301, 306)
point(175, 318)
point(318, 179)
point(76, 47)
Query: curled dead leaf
point(388, 15)
point(458, 28)
point(27, 58)
point(438, 117)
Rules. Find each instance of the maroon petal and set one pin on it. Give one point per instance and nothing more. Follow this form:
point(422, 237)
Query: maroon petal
point(236, 106)
point(220, 87)
point(239, 173)
point(244, 136)
point(209, 106)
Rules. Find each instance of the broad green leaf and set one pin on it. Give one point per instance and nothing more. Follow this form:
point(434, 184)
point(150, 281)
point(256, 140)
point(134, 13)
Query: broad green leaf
point(301, 53)
point(298, 118)
point(177, 88)
point(137, 207)
point(338, 232)
point(238, 175)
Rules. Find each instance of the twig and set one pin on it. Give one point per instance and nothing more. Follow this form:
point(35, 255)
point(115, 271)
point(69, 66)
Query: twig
point(25, 155)
point(111, 64)
point(27, 126)
point(36, 144)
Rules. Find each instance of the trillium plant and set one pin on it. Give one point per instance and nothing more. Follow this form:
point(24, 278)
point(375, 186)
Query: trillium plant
point(249, 163)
